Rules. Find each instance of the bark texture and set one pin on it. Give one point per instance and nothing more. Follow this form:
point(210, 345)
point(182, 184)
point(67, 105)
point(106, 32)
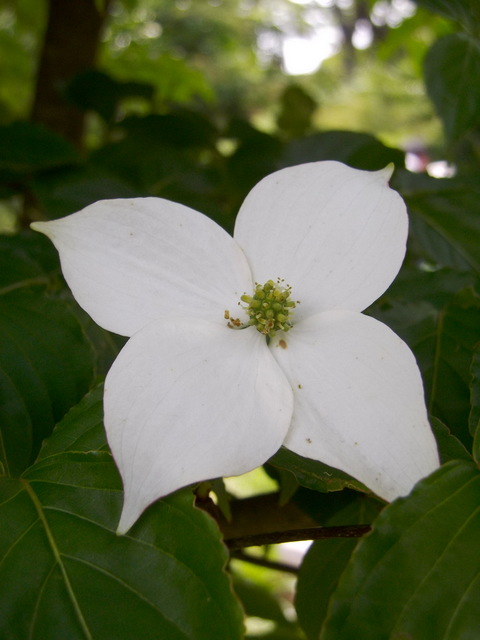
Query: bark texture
point(70, 45)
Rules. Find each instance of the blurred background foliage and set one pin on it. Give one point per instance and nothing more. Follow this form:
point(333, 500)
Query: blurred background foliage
point(216, 94)
point(196, 102)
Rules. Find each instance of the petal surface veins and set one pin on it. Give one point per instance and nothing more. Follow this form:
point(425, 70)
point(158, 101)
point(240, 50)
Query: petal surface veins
point(359, 402)
point(337, 235)
point(188, 401)
point(130, 262)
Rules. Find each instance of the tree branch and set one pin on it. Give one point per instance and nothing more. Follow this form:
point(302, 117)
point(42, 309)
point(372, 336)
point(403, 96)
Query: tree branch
point(313, 533)
point(260, 520)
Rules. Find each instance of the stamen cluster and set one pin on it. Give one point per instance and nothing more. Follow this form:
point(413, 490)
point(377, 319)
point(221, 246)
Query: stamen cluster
point(270, 307)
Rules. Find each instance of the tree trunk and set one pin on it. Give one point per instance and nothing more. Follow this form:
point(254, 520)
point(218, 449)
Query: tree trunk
point(70, 45)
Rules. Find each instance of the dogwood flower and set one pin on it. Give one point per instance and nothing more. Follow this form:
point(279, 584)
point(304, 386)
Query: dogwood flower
point(240, 345)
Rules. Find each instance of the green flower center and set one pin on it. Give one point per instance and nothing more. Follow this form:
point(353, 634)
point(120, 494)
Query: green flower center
point(270, 308)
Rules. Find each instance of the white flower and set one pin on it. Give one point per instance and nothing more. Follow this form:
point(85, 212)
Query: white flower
point(197, 392)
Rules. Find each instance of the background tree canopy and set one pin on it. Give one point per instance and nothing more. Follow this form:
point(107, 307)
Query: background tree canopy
point(196, 102)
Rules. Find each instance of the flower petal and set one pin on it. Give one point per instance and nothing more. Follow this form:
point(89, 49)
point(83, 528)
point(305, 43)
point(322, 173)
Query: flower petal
point(337, 235)
point(188, 401)
point(359, 402)
point(129, 262)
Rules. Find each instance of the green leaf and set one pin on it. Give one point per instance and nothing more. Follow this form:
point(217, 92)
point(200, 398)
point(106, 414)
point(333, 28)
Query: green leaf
point(97, 91)
point(452, 76)
point(450, 212)
point(46, 366)
point(70, 576)
point(325, 562)
point(68, 190)
point(436, 287)
point(417, 574)
point(359, 150)
point(466, 12)
point(442, 341)
point(449, 447)
point(258, 601)
point(474, 418)
point(26, 259)
point(313, 474)
point(81, 429)
point(319, 574)
point(28, 147)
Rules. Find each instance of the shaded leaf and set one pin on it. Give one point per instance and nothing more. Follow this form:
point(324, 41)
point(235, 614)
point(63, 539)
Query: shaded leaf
point(68, 190)
point(97, 91)
point(449, 447)
point(325, 562)
point(81, 429)
point(452, 76)
point(442, 341)
point(450, 212)
point(258, 601)
point(72, 577)
point(359, 150)
point(313, 474)
point(26, 259)
point(433, 537)
point(466, 12)
point(46, 366)
point(436, 287)
point(28, 147)
point(474, 418)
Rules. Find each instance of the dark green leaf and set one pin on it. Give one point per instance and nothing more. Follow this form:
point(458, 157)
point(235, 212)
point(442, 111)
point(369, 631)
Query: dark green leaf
point(325, 562)
point(450, 212)
point(296, 111)
point(466, 12)
point(435, 287)
point(70, 576)
point(258, 601)
point(474, 418)
point(27, 147)
point(417, 574)
point(358, 150)
point(442, 341)
point(81, 429)
point(25, 259)
point(313, 474)
point(66, 191)
point(46, 366)
point(449, 447)
point(95, 90)
point(318, 578)
point(452, 76)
